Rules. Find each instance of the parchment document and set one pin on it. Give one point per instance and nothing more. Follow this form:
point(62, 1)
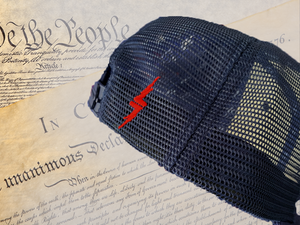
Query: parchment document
point(49, 43)
point(60, 165)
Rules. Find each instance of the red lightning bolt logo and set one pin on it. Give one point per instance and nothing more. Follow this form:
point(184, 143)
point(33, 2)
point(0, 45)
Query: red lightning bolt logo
point(139, 103)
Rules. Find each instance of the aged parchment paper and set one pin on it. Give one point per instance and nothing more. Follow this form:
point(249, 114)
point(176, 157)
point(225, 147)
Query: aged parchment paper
point(60, 165)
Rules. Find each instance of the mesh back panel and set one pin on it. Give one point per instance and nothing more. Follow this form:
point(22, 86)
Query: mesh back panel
point(223, 112)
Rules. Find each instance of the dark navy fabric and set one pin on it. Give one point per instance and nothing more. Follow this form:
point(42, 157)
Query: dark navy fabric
point(213, 106)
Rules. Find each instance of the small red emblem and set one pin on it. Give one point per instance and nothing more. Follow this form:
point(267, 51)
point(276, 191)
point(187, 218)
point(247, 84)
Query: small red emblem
point(138, 104)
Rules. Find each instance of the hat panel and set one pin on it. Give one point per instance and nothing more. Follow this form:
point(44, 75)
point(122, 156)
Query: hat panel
point(269, 111)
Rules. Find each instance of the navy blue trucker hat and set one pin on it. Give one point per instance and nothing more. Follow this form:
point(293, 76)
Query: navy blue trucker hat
point(211, 105)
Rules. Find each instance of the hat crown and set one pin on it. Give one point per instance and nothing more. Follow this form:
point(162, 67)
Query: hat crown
point(213, 106)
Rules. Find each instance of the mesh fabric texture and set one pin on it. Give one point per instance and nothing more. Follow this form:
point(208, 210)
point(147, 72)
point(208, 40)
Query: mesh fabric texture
point(213, 106)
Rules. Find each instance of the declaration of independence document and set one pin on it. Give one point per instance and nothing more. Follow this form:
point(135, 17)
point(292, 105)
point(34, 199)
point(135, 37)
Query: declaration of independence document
point(60, 165)
point(44, 44)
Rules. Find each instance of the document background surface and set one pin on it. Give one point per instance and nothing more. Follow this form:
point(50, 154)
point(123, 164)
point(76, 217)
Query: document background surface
point(60, 165)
